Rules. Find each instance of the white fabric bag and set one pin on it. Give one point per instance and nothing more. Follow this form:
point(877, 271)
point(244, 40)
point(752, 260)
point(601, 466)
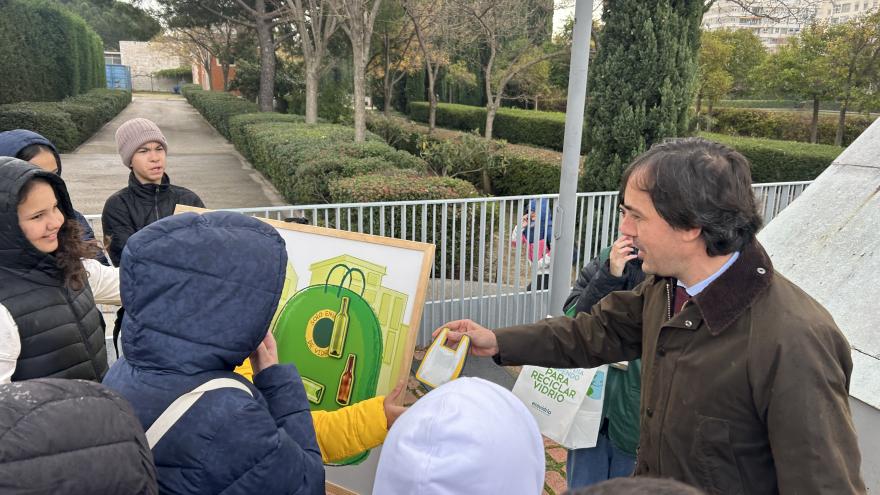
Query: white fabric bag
point(566, 403)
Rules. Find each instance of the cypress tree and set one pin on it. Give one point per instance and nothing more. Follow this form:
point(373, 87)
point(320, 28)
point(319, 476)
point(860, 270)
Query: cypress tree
point(641, 84)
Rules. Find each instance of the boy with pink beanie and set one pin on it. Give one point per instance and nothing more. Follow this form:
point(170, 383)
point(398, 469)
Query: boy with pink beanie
point(149, 195)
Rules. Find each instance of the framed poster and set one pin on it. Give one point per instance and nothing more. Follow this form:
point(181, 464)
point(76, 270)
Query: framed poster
point(349, 311)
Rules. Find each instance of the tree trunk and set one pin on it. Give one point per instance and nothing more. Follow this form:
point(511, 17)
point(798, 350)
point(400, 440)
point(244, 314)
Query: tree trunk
point(814, 123)
point(491, 110)
point(432, 101)
point(841, 123)
point(359, 64)
point(267, 59)
point(709, 117)
point(386, 81)
point(536, 103)
point(206, 64)
point(224, 69)
point(312, 80)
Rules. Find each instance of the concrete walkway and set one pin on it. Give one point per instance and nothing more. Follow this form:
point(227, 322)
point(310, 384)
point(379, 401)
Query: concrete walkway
point(199, 158)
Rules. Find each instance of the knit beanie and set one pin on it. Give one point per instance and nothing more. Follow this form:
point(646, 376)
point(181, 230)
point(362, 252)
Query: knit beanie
point(135, 133)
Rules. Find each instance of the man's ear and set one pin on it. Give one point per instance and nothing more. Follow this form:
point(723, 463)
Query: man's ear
point(690, 235)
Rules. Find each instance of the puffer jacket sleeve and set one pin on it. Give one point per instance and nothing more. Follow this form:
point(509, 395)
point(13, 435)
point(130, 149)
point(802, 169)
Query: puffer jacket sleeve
point(117, 228)
point(282, 388)
point(584, 278)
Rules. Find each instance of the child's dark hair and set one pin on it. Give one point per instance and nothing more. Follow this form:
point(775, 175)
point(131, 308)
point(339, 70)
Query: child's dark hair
point(72, 249)
point(32, 150)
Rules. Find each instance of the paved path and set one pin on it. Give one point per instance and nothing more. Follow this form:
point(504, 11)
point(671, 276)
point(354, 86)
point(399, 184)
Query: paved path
point(198, 158)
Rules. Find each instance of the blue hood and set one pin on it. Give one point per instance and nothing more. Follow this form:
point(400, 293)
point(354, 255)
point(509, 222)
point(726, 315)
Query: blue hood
point(199, 291)
point(12, 142)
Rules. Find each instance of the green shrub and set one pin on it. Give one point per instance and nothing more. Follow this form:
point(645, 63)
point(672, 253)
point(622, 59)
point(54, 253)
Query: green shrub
point(780, 161)
point(301, 159)
point(184, 72)
point(53, 123)
point(218, 107)
point(544, 129)
point(69, 122)
point(786, 126)
point(514, 170)
point(46, 52)
point(239, 123)
point(399, 186)
point(345, 159)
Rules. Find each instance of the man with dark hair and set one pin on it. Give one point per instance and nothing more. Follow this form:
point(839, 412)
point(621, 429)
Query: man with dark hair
point(745, 377)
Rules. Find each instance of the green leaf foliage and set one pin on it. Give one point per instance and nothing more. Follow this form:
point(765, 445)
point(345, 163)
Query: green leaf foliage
point(46, 52)
point(641, 84)
point(544, 129)
point(787, 126)
point(399, 186)
point(69, 122)
point(780, 161)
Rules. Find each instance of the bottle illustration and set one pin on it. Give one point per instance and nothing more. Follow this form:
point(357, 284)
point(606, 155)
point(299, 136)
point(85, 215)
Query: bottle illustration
point(346, 382)
point(340, 330)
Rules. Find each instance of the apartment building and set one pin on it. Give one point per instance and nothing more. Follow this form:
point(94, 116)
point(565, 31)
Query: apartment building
point(767, 19)
point(838, 11)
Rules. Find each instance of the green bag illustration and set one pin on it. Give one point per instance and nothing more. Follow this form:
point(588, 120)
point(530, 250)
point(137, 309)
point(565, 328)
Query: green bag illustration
point(333, 337)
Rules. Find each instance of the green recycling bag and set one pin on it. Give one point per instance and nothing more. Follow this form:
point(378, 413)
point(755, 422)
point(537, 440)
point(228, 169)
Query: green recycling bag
point(333, 337)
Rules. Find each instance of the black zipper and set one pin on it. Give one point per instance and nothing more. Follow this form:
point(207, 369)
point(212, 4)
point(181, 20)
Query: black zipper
point(85, 337)
point(156, 203)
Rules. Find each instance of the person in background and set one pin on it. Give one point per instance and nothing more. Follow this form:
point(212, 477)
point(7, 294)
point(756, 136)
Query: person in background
point(200, 292)
point(536, 230)
point(149, 196)
point(616, 268)
point(49, 282)
point(468, 436)
point(71, 436)
point(37, 150)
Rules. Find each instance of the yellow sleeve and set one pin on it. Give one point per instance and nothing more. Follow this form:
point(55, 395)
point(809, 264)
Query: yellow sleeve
point(346, 432)
point(350, 430)
point(245, 370)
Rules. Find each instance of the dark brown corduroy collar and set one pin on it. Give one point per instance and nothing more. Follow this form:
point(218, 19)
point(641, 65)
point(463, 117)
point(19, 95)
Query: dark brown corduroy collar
point(725, 299)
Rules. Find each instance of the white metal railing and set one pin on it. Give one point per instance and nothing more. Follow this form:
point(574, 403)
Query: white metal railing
point(478, 272)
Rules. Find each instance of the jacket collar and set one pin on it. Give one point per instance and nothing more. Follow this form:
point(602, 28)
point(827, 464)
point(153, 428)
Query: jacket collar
point(731, 294)
point(147, 191)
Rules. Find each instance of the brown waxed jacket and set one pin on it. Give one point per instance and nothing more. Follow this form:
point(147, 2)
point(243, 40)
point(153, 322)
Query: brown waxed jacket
point(745, 391)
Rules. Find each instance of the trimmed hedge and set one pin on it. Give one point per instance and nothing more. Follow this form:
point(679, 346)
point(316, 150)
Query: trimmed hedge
point(786, 126)
point(47, 53)
point(217, 107)
point(544, 129)
point(399, 186)
point(522, 172)
point(238, 124)
point(66, 123)
point(304, 161)
point(780, 161)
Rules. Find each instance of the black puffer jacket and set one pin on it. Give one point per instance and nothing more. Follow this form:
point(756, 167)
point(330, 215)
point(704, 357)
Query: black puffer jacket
point(590, 289)
point(61, 330)
point(138, 205)
point(71, 436)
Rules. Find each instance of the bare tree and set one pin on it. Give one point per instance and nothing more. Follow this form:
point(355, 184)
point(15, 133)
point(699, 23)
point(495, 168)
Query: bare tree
point(183, 45)
point(399, 54)
point(263, 16)
point(432, 30)
point(357, 20)
point(315, 23)
point(510, 30)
